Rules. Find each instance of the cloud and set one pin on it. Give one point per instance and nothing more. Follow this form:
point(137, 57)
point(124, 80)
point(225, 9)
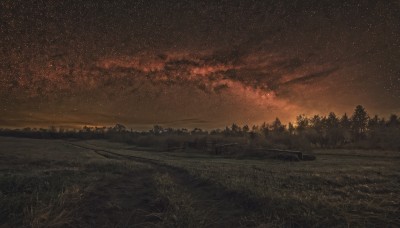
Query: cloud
point(211, 71)
point(310, 77)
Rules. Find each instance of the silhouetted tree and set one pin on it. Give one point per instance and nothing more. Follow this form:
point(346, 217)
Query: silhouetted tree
point(314, 129)
point(317, 123)
point(157, 130)
point(332, 121)
point(215, 132)
point(119, 128)
point(359, 122)
point(246, 129)
point(334, 134)
point(302, 122)
point(345, 122)
point(373, 123)
point(393, 121)
point(291, 128)
point(345, 126)
point(277, 126)
point(264, 129)
point(236, 130)
point(198, 131)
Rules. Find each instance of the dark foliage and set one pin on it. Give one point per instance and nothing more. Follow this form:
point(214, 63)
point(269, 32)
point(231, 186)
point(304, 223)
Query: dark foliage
point(357, 131)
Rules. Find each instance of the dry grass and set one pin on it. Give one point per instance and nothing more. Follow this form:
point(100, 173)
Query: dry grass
point(60, 211)
point(334, 190)
point(342, 187)
point(180, 211)
point(44, 183)
point(50, 183)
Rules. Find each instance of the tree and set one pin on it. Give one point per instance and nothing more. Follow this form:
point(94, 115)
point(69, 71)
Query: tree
point(332, 121)
point(291, 128)
point(264, 129)
point(277, 126)
point(236, 130)
point(317, 122)
point(157, 129)
point(373, 123)
point(246, 129)
point(315, 130)
point(345, 122)
point(302, 122)
point(197, 131)
point(254, 132)
point(393, 121)
point(359, 122)
point(119, 128)
point(334, 133)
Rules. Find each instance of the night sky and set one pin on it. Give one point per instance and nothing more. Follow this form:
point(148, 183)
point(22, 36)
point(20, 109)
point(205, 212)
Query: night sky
point(195, 63)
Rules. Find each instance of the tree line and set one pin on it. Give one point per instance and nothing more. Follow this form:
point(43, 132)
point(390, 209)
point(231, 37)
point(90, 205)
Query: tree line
point(356, 131)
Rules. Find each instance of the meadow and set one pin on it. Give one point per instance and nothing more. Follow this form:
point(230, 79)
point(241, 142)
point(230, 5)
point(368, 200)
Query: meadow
point(97, 183)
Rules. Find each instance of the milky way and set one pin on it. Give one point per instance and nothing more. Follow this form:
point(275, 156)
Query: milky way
point(195, 63)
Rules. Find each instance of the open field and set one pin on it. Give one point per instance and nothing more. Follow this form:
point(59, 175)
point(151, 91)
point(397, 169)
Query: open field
point(94, 183)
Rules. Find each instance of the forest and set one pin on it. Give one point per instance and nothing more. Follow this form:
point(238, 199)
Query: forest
point(358, 131)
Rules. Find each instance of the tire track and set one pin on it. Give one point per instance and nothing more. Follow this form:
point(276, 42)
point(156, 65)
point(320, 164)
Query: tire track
point(129, 157)
point(229, 207)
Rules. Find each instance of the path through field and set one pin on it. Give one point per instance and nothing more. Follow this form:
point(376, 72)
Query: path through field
point(132, 199)
point(97, 183)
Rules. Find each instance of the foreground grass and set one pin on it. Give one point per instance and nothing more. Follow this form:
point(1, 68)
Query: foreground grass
point(46, 183)
point(301, 196)
point(340, 188)
point(180, 211)
point(53, 183)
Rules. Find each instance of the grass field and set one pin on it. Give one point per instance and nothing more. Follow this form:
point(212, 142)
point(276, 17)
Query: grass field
point(58, 183)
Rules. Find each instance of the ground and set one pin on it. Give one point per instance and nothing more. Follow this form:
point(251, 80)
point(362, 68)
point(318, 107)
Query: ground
point(94, 183)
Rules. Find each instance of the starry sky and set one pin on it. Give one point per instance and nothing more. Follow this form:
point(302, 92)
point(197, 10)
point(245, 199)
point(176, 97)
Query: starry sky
point(195, 63)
